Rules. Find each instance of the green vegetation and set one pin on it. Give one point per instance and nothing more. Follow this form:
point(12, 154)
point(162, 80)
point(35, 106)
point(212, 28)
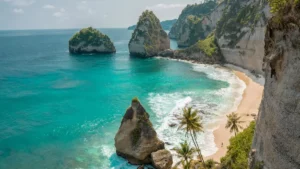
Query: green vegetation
point(239, 149)
point(233, 123)
point(236, 16)
point(91, 36)
point(279, 5)
point(208, 46)
point(185, 152)
point(191, 123)
point(135, 99)
point(166, 25)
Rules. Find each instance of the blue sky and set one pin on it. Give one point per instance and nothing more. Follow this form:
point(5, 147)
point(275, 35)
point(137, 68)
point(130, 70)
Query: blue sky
point(56, 14)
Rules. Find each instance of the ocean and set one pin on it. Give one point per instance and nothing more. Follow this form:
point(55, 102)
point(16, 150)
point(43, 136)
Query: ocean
point(62, 111)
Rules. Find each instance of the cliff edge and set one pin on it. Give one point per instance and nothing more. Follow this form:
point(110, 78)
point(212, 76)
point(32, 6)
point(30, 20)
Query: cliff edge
point(276, 142)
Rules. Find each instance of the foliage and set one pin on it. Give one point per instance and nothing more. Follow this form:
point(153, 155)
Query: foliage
point(135, 99)
point(210, 164)
point(279, 5)
point(239, 149)
point(208, 46)
point(191, 123)
point(92, 37)
point(233, 123)
point(185, 152)
point(166, 25)
point(237, 15)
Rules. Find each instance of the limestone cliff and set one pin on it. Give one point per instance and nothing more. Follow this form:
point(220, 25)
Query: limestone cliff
point(205, 51)
point(195, 23)
point(276, 143)
point(240, 33)
point(136, 138)
point(148, 38)
point(89, 40)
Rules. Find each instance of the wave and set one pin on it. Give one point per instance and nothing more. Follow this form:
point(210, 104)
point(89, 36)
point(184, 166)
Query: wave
point(214, 104)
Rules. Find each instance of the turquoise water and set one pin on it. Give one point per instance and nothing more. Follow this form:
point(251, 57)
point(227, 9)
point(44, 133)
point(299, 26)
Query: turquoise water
point(62, 111)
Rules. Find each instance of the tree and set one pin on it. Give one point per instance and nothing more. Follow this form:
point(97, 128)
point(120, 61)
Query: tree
point(233, 122)
point(185, 152)
point(191, 123)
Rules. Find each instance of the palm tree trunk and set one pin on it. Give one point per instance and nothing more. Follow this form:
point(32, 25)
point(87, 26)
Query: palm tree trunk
point(198, 149)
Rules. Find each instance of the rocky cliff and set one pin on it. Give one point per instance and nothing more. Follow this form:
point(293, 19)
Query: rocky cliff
point(89, 40)
point(205, 51)
point(195, 23)
point(148, 38)
point(240, 33)
point(166, 25)
point(136, 139)
point(276, 143)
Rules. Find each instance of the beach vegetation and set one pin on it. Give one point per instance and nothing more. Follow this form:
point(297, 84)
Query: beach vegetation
point(185, 153)
point(239, 149)
point(191, 123)
point(234, 123)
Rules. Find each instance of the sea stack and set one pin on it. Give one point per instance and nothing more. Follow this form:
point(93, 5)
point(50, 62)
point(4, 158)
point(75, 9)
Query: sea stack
point(136, 139)
point(148, 37)
point(90, 40)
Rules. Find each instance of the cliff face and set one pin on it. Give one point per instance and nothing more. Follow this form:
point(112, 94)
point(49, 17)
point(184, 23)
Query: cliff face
point(205, 51)
point(90, 40)
point(148, 38)
point(276, 143)
point(195, 23)
point(166, 25)
point(240, 33)
point(136, 138)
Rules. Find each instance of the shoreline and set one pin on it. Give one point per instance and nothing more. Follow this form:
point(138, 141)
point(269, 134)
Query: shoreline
point(247, 109)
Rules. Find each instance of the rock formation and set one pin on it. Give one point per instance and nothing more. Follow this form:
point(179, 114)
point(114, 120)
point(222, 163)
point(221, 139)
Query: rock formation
point(162, 159)
point(148, 38)
point(240, 33)
point(204, 51)
point(89, 40)
point(195, 23)
point(276, 142)
point(166, 25)
point(136, 139)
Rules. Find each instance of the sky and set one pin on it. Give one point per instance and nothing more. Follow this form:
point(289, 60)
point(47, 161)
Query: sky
point(63, 14)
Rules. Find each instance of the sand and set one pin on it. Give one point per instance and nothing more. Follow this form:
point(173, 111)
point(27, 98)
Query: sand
point(248, 107)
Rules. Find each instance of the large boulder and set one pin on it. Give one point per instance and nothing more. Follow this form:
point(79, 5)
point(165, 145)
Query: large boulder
point(162, 159)
point(136, 138)
point(89, 40)
point(148, 39)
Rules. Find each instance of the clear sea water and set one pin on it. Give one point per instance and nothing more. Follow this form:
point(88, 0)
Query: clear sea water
point(62, 111)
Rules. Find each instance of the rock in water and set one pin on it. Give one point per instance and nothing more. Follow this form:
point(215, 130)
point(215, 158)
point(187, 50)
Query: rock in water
point(162, 159)
point(136, 138)
point(89, 40)
point(148, 38)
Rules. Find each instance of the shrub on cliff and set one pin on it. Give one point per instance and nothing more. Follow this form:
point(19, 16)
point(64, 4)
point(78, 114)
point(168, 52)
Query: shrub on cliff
point(239, 149)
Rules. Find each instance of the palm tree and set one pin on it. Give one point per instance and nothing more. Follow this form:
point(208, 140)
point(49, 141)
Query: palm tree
point(233, 122)
point(185, 152)
point(191, 123)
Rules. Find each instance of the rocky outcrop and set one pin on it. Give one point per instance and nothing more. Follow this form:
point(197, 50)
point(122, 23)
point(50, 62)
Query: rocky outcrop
point(162, 159)
point(276, 142)
point(204, 51)
point(136, 139)
point(89, 40)
point(166, 25)
point(240, 33)
point(196, 22)
point(148, 38)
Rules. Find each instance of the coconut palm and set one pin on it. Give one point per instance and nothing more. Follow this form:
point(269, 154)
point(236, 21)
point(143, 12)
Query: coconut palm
point(233, 123)
point(191, 123)
point(185, 152)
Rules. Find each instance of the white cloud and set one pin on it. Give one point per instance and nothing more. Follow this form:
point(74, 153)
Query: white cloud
point(60, 13)
point(18, 10)
point(20, 2)
point(166, 6)
point(84, 7)
point(48, 6)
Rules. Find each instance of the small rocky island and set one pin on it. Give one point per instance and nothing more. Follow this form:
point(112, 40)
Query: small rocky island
point(137, 140)
point(90, 40)
point(148, 39)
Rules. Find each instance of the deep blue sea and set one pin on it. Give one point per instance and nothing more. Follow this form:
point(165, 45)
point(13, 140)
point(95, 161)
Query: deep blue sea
point(62, 111)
